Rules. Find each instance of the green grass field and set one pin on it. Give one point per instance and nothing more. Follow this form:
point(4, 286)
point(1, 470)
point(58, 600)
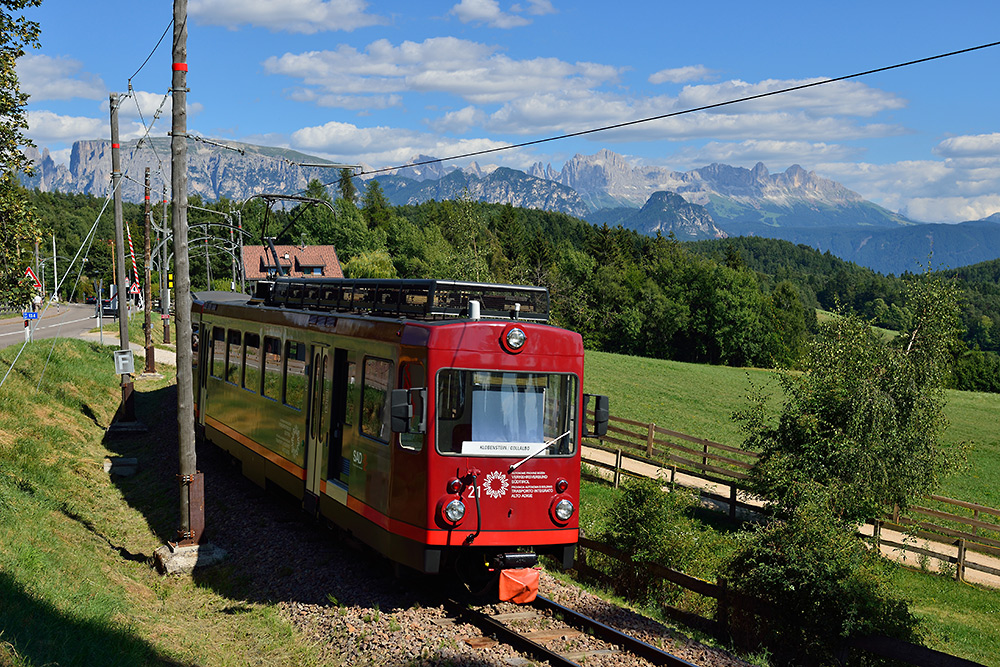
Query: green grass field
point(700, 400)
point(75, 587)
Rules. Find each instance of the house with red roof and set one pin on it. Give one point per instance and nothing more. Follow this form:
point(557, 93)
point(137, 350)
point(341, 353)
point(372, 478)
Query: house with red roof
point(293, 260)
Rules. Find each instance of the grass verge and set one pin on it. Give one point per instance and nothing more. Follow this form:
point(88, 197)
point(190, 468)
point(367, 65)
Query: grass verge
point(76, 586)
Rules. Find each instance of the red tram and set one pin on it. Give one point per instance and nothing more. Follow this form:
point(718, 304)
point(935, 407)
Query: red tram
point(437, 421)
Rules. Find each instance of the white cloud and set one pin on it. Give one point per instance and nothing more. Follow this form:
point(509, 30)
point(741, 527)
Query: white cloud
point(60, 78)
point(952, 209)
point(488, 12)
point(380, 145)
point(681, 74)
point(970, 146)
point(536, 7)
point(848, 98)
point(775, 153)
point(46, 127)
point(570, 111)
point(469, 70)
point(923, 190)
point(296, 16)
point(459, 122)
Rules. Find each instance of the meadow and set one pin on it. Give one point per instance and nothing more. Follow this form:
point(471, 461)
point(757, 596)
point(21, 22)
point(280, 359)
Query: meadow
point(700, 400)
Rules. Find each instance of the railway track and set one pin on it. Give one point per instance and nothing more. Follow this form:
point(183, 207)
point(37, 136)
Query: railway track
point(558, 635)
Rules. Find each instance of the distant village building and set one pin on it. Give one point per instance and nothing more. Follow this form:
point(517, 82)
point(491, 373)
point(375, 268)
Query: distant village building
point(294, 261)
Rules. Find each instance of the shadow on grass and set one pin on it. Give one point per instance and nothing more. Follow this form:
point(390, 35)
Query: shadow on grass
point(35, 633)
point(276, 553)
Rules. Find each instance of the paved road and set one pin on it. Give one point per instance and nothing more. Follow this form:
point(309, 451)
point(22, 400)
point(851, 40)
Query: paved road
point(64, 321)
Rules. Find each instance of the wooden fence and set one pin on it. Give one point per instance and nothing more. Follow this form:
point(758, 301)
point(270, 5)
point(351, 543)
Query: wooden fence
point(950, 537)
point(728, 600)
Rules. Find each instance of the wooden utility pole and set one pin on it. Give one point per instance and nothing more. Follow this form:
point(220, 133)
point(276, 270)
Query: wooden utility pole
point(127, 410)
point(165, 285)
point(191, 481)
point(147, 326)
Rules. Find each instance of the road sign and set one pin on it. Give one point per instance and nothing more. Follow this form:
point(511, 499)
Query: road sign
point(30, 316)
point(135, 289)
point(34, 279)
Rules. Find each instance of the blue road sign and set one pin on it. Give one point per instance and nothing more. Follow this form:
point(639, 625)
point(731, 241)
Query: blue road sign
point(31, 316)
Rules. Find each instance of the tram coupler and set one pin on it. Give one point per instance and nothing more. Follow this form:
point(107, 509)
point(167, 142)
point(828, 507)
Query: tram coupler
point(515, 560)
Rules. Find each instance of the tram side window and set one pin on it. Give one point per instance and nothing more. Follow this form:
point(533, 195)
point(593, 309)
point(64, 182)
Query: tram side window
point(375, 399)
point(218, 364)
point(251, 362)
point(352, 393)
point(235, 353)
point(272, 368)
point(412, 376)
point(295, 374)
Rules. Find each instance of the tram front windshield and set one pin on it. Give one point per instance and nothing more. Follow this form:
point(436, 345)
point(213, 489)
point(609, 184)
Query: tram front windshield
point(492, 413)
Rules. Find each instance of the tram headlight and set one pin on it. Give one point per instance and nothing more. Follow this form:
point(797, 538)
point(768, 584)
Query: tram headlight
point(516, 338)
point(454, 511)
point(513, 339)
point(563, 510)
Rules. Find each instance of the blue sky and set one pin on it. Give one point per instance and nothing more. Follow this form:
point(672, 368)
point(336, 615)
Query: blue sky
point(378, 82)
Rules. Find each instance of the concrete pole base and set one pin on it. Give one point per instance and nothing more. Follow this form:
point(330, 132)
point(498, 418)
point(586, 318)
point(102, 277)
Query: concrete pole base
point(175, 559)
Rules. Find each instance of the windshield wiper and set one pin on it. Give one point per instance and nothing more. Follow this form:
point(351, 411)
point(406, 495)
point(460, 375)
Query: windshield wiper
point(545, 445)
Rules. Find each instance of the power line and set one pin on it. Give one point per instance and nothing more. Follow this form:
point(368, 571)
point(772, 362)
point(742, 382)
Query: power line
point(674, 114)
point(158, 42)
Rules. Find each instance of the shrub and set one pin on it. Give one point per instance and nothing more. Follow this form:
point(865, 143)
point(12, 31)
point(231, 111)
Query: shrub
point(825, 586)
point(653, 527)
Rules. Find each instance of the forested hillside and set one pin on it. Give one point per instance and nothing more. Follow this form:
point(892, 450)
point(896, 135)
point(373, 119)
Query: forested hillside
point(827, 282)
point(739, 302)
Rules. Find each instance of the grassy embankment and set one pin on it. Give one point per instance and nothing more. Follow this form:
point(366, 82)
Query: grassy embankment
point(699, 400)
point(75, 584)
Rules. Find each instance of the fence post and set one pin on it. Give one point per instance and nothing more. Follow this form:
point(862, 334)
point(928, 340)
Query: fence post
point(975, 515)
point(722, 610)
point(877, 533)
point(649, 440)
point(704, 459)
point(960, 565)
point(618, 466)
point(732, 501)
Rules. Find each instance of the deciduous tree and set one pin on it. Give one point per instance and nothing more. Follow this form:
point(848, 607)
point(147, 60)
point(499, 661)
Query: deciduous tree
point(18, 226)
point(861, 424)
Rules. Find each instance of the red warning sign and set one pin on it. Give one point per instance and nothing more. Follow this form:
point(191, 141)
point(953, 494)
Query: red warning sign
point(34, 279)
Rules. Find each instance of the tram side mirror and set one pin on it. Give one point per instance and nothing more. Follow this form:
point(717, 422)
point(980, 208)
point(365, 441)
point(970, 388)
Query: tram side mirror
point(599, 426)
point(407, 411)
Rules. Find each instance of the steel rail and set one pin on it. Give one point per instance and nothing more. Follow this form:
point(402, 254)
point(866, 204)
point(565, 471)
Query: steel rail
point(507, 635)
point(610, 635)
point(501, 632)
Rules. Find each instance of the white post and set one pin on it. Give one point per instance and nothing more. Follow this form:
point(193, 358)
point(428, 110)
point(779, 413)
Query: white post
point(55, 274)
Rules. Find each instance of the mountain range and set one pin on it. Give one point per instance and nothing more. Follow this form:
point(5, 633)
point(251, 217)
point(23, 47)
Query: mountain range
point(714, 201)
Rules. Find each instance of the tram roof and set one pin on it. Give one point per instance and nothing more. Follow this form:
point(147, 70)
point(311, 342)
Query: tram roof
point(426, 299)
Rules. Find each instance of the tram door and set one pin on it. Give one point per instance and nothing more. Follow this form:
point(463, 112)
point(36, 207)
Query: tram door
point(318, 438)
point(343, 398)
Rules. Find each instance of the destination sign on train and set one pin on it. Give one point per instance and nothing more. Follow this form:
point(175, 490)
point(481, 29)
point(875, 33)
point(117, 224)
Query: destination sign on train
point(480, 448)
